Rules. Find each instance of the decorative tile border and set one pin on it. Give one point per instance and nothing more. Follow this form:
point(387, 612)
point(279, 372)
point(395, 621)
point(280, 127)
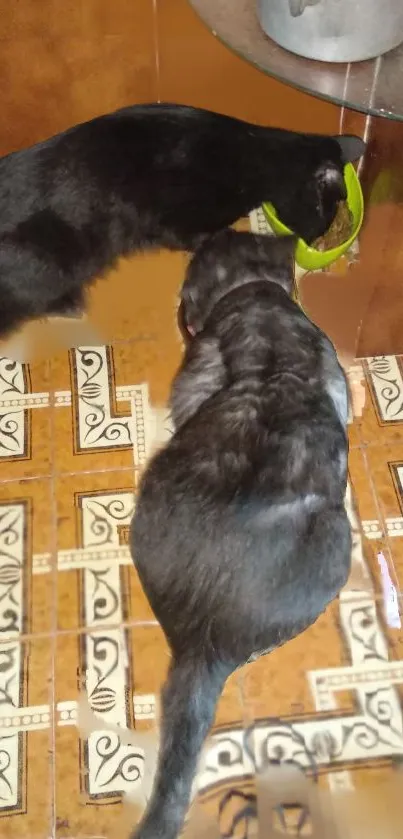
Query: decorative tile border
point(384, 376)
point(31, 718)
point(66, 713)
point(96, 425)
point(371, 529)
point(62, 398)
point(77, 559)
point(144, 706)
point(394, 526)
point(145, 426)
point(26, 401)
point(110, 765)
point(101, 517)
point(38, 717)
point(11, 699)
point(41, 563)
point(13, 559)
point(259, 223)
point(14, 437)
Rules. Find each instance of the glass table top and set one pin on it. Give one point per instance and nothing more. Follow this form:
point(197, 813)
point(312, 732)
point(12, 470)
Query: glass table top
point(372, 87)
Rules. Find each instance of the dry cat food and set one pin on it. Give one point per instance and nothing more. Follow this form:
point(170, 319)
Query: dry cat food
point(339, 231)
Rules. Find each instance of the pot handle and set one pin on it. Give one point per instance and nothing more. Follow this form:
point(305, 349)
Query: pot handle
point(297, 7)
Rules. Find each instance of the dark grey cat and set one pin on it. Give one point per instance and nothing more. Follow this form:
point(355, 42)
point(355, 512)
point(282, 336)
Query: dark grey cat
point(240, 535)
point(148, 176)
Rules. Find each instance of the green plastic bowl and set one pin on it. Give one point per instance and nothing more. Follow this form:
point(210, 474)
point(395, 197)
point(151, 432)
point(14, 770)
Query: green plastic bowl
point(310, 258)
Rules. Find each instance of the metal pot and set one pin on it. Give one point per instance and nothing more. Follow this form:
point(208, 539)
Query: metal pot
point(334, 30)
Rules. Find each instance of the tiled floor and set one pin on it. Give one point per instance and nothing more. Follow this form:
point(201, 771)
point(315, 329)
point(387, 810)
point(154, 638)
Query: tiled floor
point(74, 433)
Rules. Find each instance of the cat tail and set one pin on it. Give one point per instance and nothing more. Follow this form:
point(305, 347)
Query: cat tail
point(188, 703)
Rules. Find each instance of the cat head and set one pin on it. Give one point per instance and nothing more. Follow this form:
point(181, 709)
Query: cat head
point(315, 183)
point(229, 260)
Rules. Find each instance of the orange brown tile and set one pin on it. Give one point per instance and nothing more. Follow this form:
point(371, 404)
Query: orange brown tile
point(139, 298)
point(279, 681)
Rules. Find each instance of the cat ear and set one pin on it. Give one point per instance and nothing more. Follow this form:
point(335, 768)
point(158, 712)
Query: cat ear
point(188, 320)
point(352, 147)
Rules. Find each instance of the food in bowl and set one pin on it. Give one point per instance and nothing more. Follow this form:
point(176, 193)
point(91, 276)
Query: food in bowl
point(339, 231)
point(315, 259)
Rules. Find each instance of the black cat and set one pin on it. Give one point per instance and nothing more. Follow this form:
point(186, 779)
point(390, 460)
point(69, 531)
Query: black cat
point(148, 176)
point(240, 535)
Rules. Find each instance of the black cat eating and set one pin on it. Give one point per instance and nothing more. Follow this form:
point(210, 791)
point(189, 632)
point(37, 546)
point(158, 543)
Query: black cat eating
point(144, 177)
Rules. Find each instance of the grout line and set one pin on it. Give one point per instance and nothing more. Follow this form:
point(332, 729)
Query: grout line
point(366, 444)
point(28, 637)
point(60, 474)
point(54, 616)
point(25, 479)
point(157, 48)
point(135, 470)
point(127, 625)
